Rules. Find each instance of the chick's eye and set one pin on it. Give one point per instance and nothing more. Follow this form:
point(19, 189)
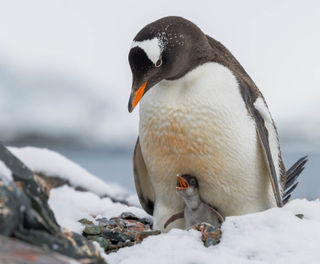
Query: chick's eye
point(158, 63)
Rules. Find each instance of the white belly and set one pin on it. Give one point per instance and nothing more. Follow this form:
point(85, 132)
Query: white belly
point(199, 125)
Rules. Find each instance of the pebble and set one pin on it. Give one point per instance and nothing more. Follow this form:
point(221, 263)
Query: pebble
point(129, 215)
point(118, 232)
point(128, 230)
point(301, 216)
point(92, 229)
point(210, 242)
point(210, 235)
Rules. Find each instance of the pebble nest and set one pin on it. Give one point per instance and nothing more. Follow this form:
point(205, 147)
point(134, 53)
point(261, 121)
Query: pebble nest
point(128, 230)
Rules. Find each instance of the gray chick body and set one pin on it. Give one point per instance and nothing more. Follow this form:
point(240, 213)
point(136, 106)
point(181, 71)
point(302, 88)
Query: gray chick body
point(196, 211)
point(202, 213)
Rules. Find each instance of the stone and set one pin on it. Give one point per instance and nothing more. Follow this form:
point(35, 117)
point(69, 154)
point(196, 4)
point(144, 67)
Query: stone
point(92, 229)
point(104, 243)
point(147, 233)
point(208, 231)
point(147, 221)
point(128, 215)
point(116, 236)
point(13, 251)
point(301, 216)
point(26, 216)
point(210, 242)
point(85, 221)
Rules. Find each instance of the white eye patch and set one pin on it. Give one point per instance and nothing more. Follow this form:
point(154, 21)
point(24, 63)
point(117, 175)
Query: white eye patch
point(151, 47)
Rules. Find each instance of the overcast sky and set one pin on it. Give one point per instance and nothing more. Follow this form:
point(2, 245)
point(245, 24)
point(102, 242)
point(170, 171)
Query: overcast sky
point(276, 41)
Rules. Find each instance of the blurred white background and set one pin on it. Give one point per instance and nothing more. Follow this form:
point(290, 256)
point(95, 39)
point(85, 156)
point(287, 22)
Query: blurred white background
point(65, 79)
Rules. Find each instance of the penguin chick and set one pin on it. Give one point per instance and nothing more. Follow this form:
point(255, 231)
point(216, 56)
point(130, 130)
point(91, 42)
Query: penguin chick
point(195, 211)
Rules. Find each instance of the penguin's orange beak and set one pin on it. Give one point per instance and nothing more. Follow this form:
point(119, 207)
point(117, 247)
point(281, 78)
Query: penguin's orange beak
point(182, 184)
point(136, 96)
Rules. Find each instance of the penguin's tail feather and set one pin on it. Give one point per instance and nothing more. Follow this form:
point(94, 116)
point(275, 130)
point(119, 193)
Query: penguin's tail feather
point(292, 175)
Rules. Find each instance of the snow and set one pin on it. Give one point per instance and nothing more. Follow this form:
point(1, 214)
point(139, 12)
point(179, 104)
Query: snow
point(272, 236)
point(70, 205)
point(133, 200)
point(52, 163)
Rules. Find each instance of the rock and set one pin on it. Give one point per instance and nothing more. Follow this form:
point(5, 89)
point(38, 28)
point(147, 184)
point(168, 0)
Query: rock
point(118, 232)
point(129, 215)
point(25, 215)
point(210, 242)
point(85, 221)
point(147, 221)
point(104, 243)
point(92, 229)
point(210, 234)
point(13, 251)
point(147, 233)
point(116, 236)
point(301, 216)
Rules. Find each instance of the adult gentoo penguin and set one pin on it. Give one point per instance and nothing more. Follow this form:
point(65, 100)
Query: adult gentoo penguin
point(201, 114)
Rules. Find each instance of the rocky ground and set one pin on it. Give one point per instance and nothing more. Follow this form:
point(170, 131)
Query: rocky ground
point(29, 232)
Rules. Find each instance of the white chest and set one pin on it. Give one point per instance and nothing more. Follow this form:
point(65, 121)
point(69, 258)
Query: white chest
point(199, 125)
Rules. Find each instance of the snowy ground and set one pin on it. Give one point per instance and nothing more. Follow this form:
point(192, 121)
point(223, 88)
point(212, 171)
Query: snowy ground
point(273, 236)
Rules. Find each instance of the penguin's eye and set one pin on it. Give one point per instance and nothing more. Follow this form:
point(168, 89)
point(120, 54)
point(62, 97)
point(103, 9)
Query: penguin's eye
point(158, 63)
point(192, 182)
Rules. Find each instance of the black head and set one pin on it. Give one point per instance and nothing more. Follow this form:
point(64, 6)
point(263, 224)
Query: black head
point(165, 50)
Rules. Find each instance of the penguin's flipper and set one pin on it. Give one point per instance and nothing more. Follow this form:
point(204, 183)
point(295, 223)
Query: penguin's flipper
point(271, 161)
point(267, 134)
point(142, 180)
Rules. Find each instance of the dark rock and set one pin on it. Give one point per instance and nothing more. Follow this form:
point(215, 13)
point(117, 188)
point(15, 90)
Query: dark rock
point(103, 220)
point(123, 231)
point(210, 234)
point(210, 242)
point(147, 221)
point(13, 251)
point(116, 236)
point(85, 221)
point(147, 233)
point(129, 215)
point(49, 182)
point(301, 216)
point(92, 229)
point(9, 209)
point(41, 215)
point(25, 215)
point(104, 243)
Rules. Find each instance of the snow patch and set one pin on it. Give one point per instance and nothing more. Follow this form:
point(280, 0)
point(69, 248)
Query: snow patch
point(272, 236)
point(52, 163)
point(134, 200)
point(69, 206)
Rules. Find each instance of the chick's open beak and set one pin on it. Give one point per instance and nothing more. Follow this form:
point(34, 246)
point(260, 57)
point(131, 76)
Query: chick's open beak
point(136, 96)
point(182, 184)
